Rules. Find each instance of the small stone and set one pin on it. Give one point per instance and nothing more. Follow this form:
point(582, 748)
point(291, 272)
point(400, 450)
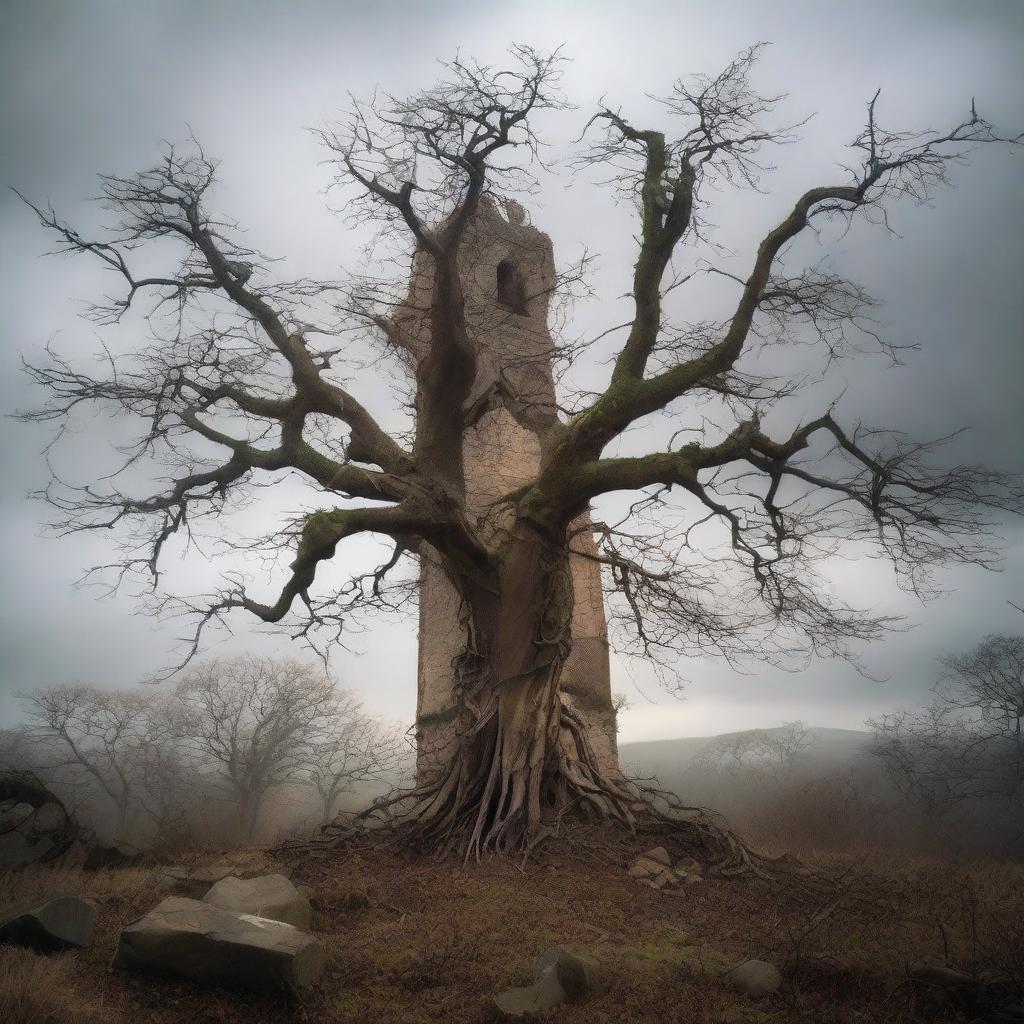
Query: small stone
point(689, 879)
point(60, 923)
point(643, 867)
point(662, 880)
point(270, 896)
point(756, 978)
point(660, 856)
point(689, 866)
point(579, 975)
point(522, 1003)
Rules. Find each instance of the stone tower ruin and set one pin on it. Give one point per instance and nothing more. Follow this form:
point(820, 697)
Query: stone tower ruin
point(508, 275)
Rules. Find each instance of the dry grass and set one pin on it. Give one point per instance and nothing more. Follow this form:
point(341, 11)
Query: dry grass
point(421, 942)
point(47, 990)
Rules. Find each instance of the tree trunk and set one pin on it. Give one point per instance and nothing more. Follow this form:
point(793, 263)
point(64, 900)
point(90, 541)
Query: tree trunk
point(522, 757)
point(327, 801)
point(248, 812)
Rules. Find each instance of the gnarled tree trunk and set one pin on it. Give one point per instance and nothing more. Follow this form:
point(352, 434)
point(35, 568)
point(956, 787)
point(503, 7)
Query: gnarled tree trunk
point(522, 757)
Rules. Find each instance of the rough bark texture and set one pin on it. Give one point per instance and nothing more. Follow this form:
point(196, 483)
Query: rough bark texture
point(520, 751)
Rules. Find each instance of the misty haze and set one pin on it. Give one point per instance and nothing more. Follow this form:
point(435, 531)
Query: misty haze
point(512, 512)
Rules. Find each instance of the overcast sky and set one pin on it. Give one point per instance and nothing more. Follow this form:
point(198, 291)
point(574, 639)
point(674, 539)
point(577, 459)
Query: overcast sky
point(95, 87)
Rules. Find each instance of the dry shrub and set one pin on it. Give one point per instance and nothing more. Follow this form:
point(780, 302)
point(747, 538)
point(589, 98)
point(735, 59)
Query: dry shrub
point(45, 990)
point(831, 813)
point(436, 964)
point(984, 933)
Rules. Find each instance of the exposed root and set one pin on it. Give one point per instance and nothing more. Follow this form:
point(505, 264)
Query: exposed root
point(474, 809)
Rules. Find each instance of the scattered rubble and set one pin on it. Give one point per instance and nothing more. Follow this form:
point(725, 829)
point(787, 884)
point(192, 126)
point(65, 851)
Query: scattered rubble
point(654, 868)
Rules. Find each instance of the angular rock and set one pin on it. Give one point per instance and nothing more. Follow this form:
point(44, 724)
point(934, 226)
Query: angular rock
point(60, 923)
point(659, 855)
point(645, 868)
point(663, 879)
point(580, 976)
point(689, 866)
point(190, 939)
point(756, 978)
point(270, 896)
point(523, 1003)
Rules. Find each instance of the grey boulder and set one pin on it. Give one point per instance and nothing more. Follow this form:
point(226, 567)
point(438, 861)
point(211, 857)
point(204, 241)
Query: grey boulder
point(186, 938)
point(60, 923)
point(544, 994)
point(756, 978)
point(659, 855)
point(579, 975)
point(562, 976)
point(270, 896)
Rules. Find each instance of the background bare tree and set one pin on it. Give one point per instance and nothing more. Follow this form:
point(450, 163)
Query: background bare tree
point(757, 754)
point(348, 749)
point(719, 551)
point(249, 721)
point(963, 753)
point(168, 787)
point(84, 734)
point(986, 685)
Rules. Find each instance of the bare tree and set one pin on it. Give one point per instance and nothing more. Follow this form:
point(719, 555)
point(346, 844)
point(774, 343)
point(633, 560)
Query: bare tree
point(964, 747)
point(250, 720)
point(350, 748)
point(717, 554)
point(766, 754)
point(987, 685)
point(168, 787)
point(100, 736)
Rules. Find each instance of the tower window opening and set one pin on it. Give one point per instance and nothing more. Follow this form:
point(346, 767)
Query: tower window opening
point(511, 287)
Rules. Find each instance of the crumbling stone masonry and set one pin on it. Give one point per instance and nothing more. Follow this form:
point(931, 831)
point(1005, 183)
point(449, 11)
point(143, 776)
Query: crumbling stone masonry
point(508, 276)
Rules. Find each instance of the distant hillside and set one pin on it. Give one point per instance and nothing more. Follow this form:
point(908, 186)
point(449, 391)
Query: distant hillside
point(834, 750)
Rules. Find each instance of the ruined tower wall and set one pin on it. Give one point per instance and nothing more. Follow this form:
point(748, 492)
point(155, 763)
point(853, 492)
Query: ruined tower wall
point(502, 452)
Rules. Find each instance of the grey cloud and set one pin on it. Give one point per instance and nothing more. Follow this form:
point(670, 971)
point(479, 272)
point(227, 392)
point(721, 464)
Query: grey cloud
point(88, 88)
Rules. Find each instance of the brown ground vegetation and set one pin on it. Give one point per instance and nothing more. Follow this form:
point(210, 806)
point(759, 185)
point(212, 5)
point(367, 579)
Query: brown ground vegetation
point(422, 941)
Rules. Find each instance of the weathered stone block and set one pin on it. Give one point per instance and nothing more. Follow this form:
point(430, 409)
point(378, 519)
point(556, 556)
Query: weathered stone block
point(270, 896)
point(186, 938)
point(60, 923)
